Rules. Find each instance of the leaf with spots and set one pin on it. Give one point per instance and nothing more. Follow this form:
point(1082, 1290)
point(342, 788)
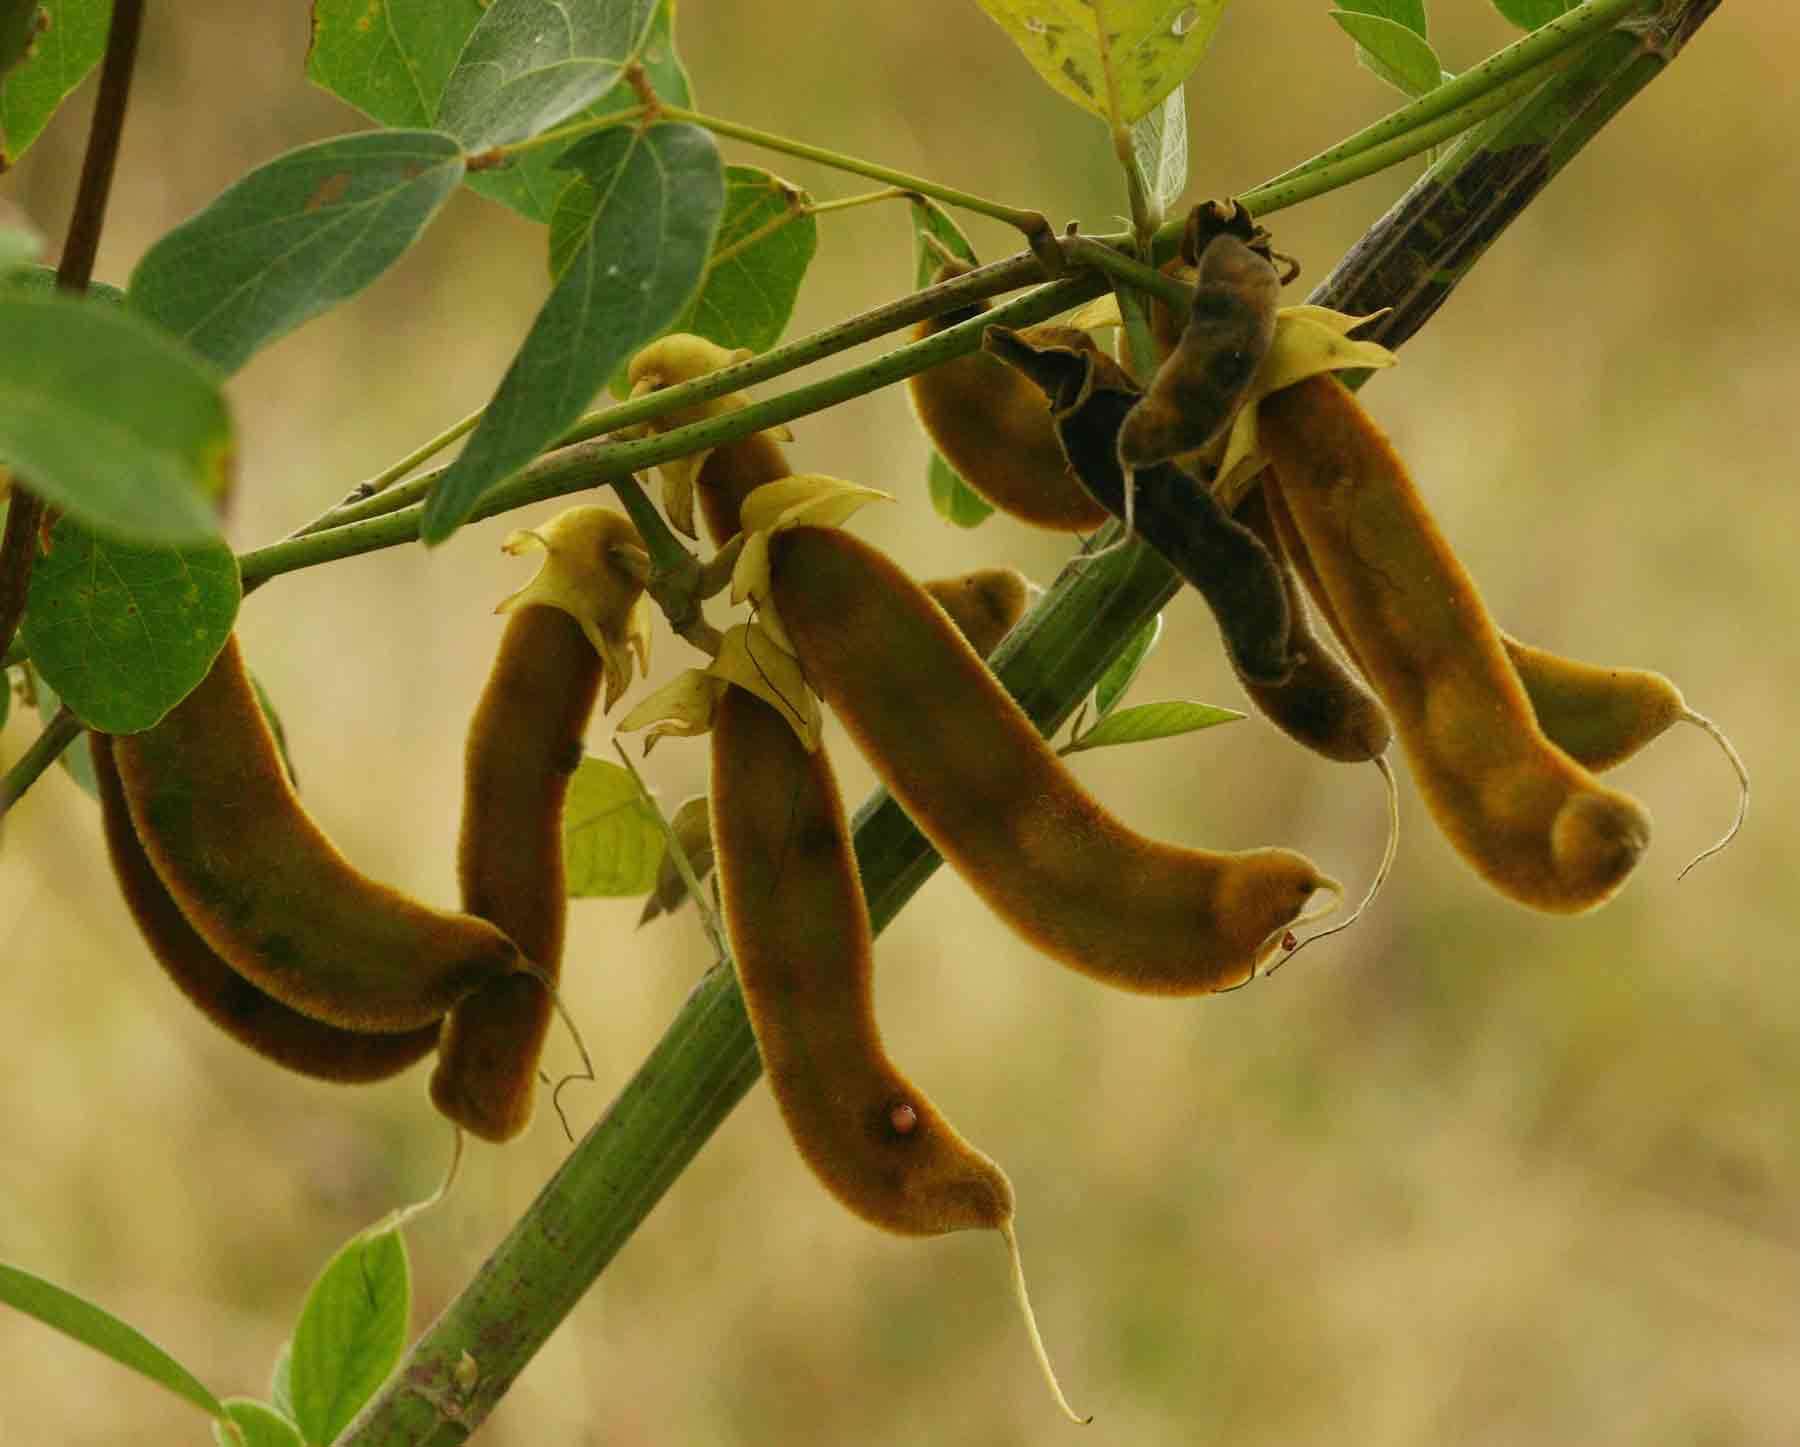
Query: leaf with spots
point(532, 183)
point(59, 59)
point(109, 418)
point(765, 243)
point(389, 58)
point(294, 238)
point(1115, 58)
point(612, 841)
point(123, 631)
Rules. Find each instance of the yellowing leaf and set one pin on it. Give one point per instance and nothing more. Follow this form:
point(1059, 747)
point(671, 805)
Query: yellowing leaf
point(1151, 45)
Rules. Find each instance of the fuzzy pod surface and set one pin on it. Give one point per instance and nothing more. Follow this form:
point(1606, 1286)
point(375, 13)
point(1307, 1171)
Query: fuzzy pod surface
point(273, 1030)
point(524, 744)
point(1530, 820)
point(803, 950)
point(993, 427)
point(984, 604)
point(968, 766)
point(259, 881)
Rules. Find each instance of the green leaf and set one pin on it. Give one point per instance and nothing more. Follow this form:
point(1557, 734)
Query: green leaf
point(1410, 13)
point(276, 727)
point(1151, 721)
point(662, 190)
point(294, 238)
point(1118, 677)
point(390, 58)
point(19, 20)
point(1529, 14)
point(931, 219)
point(952, 498)
point(351, 1332)
point(1159, 149)
point(59, 61)
point(281, 1380)
point(20, 243)
point(95, 1327)
point(533, 183)
point(1398, 55)
point(78, 759)
point(612, 842)
point(529, 64)
point(258, 1424)
point(110, 419)
point(1153, 45)
point(123, 631)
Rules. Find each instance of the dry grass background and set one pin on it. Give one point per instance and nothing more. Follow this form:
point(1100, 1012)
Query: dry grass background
point(1464, 1175)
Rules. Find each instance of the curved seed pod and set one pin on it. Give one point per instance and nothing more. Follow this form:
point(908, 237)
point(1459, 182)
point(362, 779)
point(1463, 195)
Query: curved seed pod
point(523, 747)
point(1177, 515)
point(1322, 705)
point(265, 888)
point(252, 1018)
point(991, 425)
point(804, 954)
point(1527, 817)
point(983, 604)
point(970, 769)
point(1199, 387)
point(725, 475)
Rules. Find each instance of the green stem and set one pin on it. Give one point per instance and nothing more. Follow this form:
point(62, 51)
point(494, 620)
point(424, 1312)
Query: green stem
point(1086, 251)
point(1524, 56)
point(58, 734)
point(1031, 223)
point(573, 131)
point(388, 476)
point(706, 1061)
point(592, 463)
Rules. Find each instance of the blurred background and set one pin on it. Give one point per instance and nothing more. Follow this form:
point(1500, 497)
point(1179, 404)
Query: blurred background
point(1462, 1174)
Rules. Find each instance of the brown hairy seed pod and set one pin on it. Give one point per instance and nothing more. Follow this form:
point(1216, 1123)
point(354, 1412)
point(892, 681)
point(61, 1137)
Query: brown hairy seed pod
point(1090, 396)
point(249, 1016)
point(992, 426)
point(728, 473)
point(1200, 385)
point(1527, 817)
point(804, 955)
point(524, 744)
point(272, 896)
point(983, 604)
point(967, 765)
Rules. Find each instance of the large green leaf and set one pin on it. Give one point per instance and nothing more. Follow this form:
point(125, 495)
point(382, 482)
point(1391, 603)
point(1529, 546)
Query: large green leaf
point(59, 60)
point(19, 22)
point(1152, 45)
point(661, 193)
point(110, 419)
point(293, 238)
point(612, 841)
point(98, 1328)
point(532, 63)
point(351, 1332)
point(765, 243)
point(390, 58)
point(532, 183)
point(123, 631)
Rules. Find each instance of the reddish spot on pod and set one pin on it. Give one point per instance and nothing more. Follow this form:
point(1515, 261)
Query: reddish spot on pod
point(903, 1118)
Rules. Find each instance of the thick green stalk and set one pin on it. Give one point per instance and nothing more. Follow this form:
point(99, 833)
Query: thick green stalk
point(707, 1060)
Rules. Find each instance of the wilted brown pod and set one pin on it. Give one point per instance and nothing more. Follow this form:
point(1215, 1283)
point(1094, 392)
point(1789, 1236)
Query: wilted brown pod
point(966, 763)
point(993, 426)
point(273, 1030)
point(269, 893)
point(983, 604)
point(1528, 818)
point(1197, 390)
point(1321, 705)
